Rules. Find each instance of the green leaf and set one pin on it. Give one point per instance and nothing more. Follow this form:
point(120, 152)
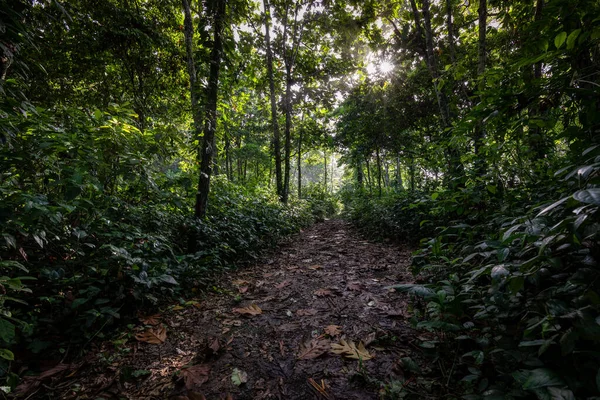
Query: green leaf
point(537, 378)
point(499, 272)
point(559, 40)
point(492, 189)
point(7, 330)
point(238, 377)
point(553, 206)
point(589, 196)
point(7, 354)
point(568, 341)
point(7, 264)
point(572, 37)
point(417, 290)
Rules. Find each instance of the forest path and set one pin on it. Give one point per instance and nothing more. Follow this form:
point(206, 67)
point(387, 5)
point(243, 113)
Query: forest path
point(271, 326)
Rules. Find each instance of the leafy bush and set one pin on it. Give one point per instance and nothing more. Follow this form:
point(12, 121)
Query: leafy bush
point(99, 215)
point(517, 296)
point(322, 203)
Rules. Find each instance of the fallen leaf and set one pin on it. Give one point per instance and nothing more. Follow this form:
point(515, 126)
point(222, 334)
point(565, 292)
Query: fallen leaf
point(315, 267)
point(195, 375)
point(215, 346)
point(232, 322)
point(349, 350)
point(156, 335)
point(238, 377)
point(313, 349)
point(323, 292)
point(333, 330)
point(177, 308)
point(252, 309)
point(240, 282)
point(243, 289)
point(151, 319)
point(355, 286)
point(304, 312)
point(282, 284)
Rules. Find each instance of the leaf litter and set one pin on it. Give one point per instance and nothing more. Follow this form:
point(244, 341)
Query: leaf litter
point(303, 341)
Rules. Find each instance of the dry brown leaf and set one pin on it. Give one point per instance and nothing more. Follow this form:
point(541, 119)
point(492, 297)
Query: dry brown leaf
point(156, 335)
point(323, 292)
point(243, 289)
point(282, 284)
point(195, 376)
point(252, 309)
point(313, 349)
point(307, 311)
point(151, 319)
point(355, 286)
point(333, 330)
point(349, 350)
point(240, 282)
point(315, 267)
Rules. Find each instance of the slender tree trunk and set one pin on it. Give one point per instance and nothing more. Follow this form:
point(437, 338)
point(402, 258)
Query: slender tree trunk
point(480, 164)
point(300, 164)
point(359, 173)
point(455, 166)
point(210, 126)
point(369, 175)
point(274, 121)
point(288, 133)
point(399, 174)
point(536, 142)
point(378, 170)
point(191, 67)
point(325, 169)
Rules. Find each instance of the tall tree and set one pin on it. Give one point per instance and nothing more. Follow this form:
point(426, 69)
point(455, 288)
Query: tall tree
point(205, 154)
point(273, 100)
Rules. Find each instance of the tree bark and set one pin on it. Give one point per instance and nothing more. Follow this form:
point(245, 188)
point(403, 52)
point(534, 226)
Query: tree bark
point(479, 135)
point(455, 166)
point(210, 125)
point(191, 67)
point(325, 169)
point(288, 133)
point(274, 121)
point(300, 164)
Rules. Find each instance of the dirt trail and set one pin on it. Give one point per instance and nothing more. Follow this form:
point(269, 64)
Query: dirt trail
point(325, 285)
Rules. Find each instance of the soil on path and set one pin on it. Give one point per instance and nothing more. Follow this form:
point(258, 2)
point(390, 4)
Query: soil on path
point(267, 332)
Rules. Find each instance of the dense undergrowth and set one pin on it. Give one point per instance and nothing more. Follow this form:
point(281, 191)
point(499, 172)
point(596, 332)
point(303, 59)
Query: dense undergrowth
point(508, 285)
point(96, 222)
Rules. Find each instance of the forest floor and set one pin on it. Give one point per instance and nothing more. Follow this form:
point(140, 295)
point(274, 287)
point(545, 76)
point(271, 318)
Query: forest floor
point(314, 320)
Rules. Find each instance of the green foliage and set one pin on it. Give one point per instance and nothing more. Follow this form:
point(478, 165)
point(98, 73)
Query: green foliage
point(521, 292)
point(322, 203)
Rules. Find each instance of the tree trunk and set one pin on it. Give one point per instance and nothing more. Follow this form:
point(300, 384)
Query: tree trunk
point(369, 175)
point(288, 134)
point(188, 33)
point(455, 167)
point(207, 150)
point(300, 164)
point(359, 173)
point(325, 169)
point(378, 170)
point(274, 122)
point(480, 164)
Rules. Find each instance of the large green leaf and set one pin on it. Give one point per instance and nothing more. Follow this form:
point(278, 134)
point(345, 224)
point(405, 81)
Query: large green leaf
point(417, 290)
point(537, 378)
point(589, 196)
point(7, 330)
point(559, 40)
